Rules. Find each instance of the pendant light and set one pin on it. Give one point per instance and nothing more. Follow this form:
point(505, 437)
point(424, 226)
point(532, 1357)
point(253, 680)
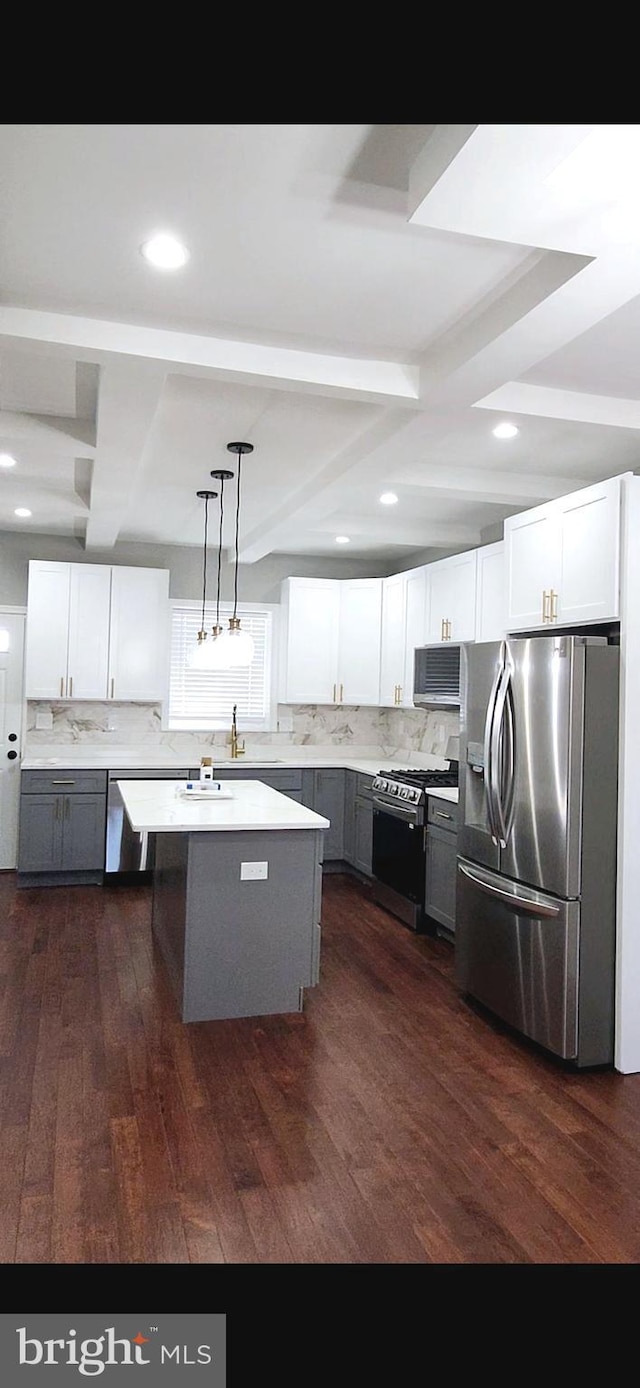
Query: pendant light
point(216, 645)
point(199, 657)
point(236, 647)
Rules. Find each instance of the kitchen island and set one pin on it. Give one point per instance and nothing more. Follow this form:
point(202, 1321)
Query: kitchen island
point(236, 895)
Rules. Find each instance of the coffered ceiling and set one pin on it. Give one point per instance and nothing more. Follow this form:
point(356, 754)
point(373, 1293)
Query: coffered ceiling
point(362, 303)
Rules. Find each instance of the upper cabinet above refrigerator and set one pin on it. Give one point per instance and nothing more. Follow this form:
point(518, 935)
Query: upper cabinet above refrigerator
point(563, 560)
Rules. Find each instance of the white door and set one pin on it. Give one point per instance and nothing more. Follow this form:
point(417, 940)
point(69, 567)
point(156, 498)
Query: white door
point(589, 582)
point(415, 628)
point(11, 660)
point(392, 654)
point(47, 630)
point(312, 621)
point(532, 545)
point(491, 603)
point(139, 635)
point(359, 645)
point(88, 658)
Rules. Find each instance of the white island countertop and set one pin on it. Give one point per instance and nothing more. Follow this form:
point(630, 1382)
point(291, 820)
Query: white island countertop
point(156, 807)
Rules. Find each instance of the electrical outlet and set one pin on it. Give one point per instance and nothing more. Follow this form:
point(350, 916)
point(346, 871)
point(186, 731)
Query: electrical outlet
point(44, 719)
point(253, 872)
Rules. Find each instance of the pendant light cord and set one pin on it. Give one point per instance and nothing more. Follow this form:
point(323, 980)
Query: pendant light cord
point(235, 584)
point(204, 560)
point(220, 550)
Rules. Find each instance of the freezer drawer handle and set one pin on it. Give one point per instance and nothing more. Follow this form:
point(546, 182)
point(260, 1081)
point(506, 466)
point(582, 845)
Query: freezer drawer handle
point(530, 908)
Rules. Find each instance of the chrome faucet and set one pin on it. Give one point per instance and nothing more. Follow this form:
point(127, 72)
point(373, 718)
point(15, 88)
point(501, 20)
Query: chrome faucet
point(236, 749)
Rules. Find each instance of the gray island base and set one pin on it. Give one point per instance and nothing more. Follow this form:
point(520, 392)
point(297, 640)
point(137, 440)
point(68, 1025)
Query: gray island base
point(236, 911)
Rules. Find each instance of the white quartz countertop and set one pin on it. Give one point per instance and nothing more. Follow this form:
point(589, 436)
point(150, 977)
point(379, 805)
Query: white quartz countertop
point(91, 758)
point(156, 807)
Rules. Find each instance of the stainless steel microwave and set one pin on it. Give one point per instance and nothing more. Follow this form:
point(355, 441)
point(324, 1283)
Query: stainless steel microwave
point(436, 675)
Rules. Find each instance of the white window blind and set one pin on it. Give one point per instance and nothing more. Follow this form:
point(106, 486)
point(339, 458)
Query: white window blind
point(205, 698)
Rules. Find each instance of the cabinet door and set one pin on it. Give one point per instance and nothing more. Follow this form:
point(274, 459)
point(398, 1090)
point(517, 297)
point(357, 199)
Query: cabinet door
point(392, 653)
point(415, 628)
point(532, 548)
point(139, 638)
point(47, 631)
point(83, 832)
point(329, 801)
point(363, 854)
point(440, 886)
point(311, 609)
point(88, 654)
point(349, 839)
point(359, 645)
point(491, 605)
point(40, 834)
point(452, 598)
point(589, 581)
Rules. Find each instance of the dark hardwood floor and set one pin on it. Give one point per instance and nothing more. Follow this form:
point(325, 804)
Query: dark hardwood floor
point(388, 1124)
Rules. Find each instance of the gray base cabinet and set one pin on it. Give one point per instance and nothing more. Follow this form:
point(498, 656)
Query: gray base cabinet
point(441, 866)
point(62, 825)
point(363, 853)
point(328, 800)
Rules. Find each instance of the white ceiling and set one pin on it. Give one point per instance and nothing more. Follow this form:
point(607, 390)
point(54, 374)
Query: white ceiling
point(362, 303)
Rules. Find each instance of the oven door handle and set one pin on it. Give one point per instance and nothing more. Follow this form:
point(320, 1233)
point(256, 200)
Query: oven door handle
point(398, 811)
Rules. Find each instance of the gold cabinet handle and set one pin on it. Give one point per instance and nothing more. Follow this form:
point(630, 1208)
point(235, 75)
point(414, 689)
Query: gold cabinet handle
point(554, 606)
point(399, 693)
point(112, 684)
point(61, 686)
point(71, 687)
point(341, 692)
point(545, 606)
point(442, 628)
point(448, 629)
point(334, 695)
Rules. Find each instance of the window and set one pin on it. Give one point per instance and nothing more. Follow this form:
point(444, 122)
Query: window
point(205, 698)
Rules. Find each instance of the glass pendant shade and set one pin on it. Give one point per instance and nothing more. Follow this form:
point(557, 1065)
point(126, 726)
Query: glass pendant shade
point(202, 655)
point(235, 647)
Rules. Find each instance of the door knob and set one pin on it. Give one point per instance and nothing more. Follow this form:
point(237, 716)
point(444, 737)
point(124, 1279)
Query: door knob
point(13, 737)
point(12, 755)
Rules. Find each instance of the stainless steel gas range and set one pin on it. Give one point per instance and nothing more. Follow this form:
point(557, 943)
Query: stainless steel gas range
point(399, 849)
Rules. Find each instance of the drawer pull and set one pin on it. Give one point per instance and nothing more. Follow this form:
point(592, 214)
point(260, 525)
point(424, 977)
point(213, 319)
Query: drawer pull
point(63, 783)
point(61, 686)
point(440, 814)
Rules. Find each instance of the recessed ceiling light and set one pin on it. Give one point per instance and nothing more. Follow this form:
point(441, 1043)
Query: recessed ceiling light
point(164, 252)
point(388, 499)
point(342, 539)
point(6, 460)
point(22, 511)
point(505, 431)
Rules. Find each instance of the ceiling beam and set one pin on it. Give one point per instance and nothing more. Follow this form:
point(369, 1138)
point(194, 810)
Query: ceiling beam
point(518, 397)
point(59, 436)
point(90, 339)
point(127, 402)
point(479, 484)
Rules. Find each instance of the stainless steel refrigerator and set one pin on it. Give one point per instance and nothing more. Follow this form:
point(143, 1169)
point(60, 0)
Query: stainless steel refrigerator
point(536, 881)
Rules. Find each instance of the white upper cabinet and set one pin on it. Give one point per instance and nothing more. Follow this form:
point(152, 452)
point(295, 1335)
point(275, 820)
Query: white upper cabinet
point(451, 598)
point(358, 677)
point(563, 560)
point(491, 601)
point(331, 641)
point(96, 632)
point(311, 628)
point(403, 628)
point(47, 633)
point(139, 634)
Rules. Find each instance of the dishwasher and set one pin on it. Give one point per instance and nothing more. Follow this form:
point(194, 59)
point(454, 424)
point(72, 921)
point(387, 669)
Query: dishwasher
point(127, 851)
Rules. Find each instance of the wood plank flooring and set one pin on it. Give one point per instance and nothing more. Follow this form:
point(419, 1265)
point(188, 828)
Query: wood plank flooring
point(390, 1123)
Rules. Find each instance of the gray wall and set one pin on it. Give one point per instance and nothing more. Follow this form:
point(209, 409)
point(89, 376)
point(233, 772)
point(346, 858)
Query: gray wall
point(257, 582)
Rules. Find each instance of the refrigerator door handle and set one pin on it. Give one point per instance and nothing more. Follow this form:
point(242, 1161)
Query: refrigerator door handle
point(488, 768)
point(497, 745)
point(532, 905)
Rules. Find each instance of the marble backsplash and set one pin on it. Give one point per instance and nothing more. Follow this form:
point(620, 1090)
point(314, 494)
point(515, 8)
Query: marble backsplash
point(120, 725)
